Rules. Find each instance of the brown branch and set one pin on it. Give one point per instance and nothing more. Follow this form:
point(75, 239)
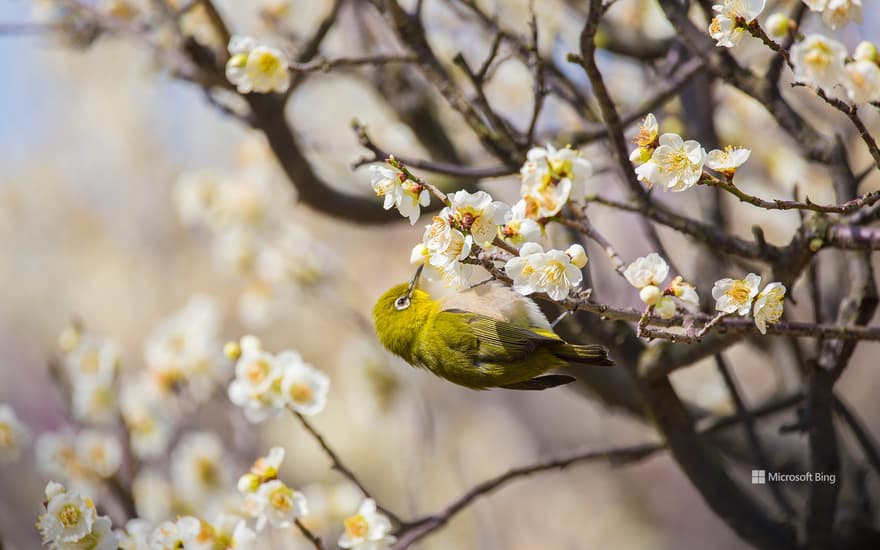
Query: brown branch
point(321, 64)
point(848, 207)
point(380, 155)
point(411, 32)
point(417, 530)
point(754, 28)
point(862, 434)
point(700, 231)
point(665, 92)
point(704, 468)
point(748, 424)
point(587, 60)
point(307, 533)
point(852, 112)
point(338, 465)
point(853, 237)
point(583, 225)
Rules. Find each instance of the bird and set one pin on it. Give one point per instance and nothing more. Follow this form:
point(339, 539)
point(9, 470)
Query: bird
point(484, 337)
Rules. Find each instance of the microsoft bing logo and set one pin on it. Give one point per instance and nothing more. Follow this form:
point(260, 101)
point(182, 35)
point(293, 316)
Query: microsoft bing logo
point(759, 477)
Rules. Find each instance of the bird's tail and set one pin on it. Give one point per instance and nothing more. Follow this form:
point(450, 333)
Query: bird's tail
point(588, 354)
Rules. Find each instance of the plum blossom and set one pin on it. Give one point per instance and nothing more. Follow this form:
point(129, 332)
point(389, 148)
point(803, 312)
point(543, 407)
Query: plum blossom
point(477, 214)
point(256, 68)
point(727, 160)
point(768, 306)
point(368, 529)
point(819, 60)
point(551, 272)
point(736, 295)
point(725, 28)
point(676, 164)
point(550, 178)
point(399, 191)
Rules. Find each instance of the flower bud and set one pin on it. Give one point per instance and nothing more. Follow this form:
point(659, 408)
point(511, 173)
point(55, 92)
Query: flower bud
point(641, 155)
point(665, 307)
point(777, 25)
point(865, 51)
point(68, 339)
point(248, 483)
point(232, 350)
point(578, 255)
point(650, 295)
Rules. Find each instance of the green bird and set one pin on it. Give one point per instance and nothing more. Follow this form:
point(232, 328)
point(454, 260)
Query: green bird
point(484, 337)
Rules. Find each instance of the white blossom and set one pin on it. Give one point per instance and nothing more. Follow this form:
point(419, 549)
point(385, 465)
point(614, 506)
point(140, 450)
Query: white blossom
point(256, 68)
point(146, 415)
point(650, 270)
point(665, 307)
point(724, 27)
point(14, 436)
point(264, 469)
point(56, 455)
point(647, 274)
point(257, 387)
point(398, 191)
point(369, 529)
point(177, 535)
point(444, 248)
point(518, 228)
point(768, 306)
point(837, 13)
point(684, 292)
point(646, 140)
point(136, 535)
point(537, 271)
point(182, 348)
point(865, 51)
point(152, 495)
point(578, 255)
point(275, 503)
point(92, 358)
point(550, 178)
point(304, 387)
point(676, 164)
point(232, 533)
point(862, 81)
point(818, 60)
point(198, 469)
point(94, 401)
point(727, 160)
point(68, 517)
point(100, 452)
point(777, 25)
point(478, 214)
point(736, 295)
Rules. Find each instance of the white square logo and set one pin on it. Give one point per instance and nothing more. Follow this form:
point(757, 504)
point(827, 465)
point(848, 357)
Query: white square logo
point(759, 477)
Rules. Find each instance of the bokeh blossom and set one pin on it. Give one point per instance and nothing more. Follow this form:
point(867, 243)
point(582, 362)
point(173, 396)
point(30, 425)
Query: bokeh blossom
point(256, 68)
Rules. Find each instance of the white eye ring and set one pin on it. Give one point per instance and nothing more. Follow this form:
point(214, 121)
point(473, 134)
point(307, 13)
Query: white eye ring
point(401, 303)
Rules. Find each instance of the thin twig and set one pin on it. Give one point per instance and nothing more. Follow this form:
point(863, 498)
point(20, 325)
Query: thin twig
point(417, 530)
point(848, 207)
point(412, 532)
point(379, 155)
point(338, 464)
point(329, 64)
point(748, 424)
point(307, 533)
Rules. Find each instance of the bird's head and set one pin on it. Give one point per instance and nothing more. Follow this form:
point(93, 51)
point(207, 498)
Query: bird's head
point(400, 314)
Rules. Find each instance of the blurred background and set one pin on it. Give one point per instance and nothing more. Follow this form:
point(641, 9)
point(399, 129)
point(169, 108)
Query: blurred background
point(105, 157)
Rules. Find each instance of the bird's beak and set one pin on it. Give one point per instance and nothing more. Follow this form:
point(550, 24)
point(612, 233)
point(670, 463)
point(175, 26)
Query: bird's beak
point(414, 281)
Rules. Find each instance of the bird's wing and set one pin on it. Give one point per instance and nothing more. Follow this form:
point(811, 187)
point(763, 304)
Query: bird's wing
point(494, 341)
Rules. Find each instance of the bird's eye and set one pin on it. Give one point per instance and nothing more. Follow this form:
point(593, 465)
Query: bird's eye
point(401, 303)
